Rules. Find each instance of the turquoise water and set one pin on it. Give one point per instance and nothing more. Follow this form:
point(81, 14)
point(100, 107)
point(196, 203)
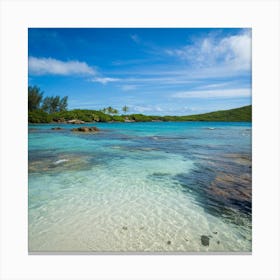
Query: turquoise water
point(140, 187)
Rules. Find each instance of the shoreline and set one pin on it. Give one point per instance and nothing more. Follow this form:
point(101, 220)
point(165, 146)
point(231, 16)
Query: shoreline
point(85, 123)
point(78, 116)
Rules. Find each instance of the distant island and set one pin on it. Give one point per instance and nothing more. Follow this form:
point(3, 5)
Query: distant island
point(54, 110)
point(242, 114)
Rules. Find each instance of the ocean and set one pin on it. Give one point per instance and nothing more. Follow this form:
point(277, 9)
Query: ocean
point(150, 187)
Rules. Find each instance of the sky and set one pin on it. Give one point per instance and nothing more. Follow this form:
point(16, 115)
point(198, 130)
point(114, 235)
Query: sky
point(153, 71)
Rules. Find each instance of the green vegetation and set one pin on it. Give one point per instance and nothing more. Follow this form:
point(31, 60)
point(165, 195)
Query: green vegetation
point(43, 110)
point(109, 110)
point(125, 109)
point(243, 114)
point(35, 97)
point(39, 116)
point(54, 109)
point(54, 104)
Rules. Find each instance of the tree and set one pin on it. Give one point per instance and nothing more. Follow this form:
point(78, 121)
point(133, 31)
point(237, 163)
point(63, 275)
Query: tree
point(125, 109)
point(63, 104)
point(55, 104)
point(115, 111)
point(47, 104)
point(35, 96)
point(109, 110)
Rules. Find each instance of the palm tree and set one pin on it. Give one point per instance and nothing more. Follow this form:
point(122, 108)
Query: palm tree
point(115, 111)
point(125, 109)
point(35, 97)
point(109, 110)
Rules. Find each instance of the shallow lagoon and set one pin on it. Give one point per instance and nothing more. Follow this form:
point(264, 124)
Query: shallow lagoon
point(140, 187)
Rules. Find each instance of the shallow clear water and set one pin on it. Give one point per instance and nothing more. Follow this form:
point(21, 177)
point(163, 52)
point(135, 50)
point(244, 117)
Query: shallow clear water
point(140, 187)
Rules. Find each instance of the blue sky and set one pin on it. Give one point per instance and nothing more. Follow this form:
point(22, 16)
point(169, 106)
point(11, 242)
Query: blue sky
point(160, 71)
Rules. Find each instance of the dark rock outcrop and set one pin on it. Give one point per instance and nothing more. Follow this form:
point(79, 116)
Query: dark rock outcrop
point(205, 240)
point(86, 129)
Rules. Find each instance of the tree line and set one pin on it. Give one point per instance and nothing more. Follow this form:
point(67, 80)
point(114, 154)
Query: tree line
point(54, 104)
point(54, 108)
point(49, 104)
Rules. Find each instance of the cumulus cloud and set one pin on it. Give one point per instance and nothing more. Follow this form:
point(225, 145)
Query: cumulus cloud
point(51, 66)
point(233, 51)
point(42, 66)
point(227, 93)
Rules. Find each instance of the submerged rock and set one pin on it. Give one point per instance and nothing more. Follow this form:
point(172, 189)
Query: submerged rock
point(238, 221)
point(86, 129)
point(51, 162)
point(57, 128)
point(205, 240)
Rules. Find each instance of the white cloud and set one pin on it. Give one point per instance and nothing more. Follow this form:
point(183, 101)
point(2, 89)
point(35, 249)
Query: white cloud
point(237, 50)
point(231, 51)
point(228, 93)
point(52, 66)
point(104, 80)
point(215, 86)
point(43, 66)
point(160, 79)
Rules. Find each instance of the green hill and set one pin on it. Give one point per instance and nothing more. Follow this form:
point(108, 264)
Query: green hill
point(243, 114)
